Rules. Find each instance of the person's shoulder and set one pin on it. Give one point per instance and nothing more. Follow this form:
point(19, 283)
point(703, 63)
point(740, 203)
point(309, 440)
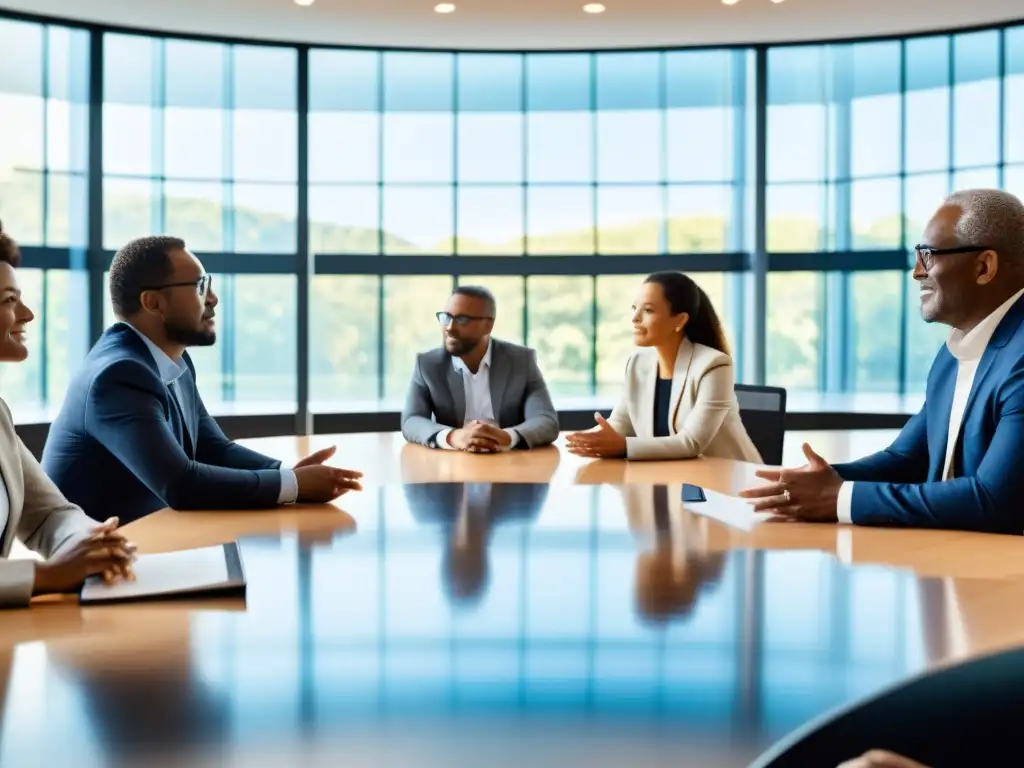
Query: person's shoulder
point(118, 370)
point(639, 358)
point(511, 349)
point(118, 342)
point(6, 417)
point(433, 357)
point(705, 358)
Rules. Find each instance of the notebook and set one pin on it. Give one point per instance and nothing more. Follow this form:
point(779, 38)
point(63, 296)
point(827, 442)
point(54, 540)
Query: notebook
point(206, 571)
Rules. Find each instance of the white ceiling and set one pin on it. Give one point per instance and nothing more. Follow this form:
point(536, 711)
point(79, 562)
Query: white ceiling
point(531, 24)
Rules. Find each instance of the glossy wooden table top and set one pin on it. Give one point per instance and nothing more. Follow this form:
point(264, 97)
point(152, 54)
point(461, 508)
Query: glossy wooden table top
point(385, 458)
point(443, 616)
point(477, 624)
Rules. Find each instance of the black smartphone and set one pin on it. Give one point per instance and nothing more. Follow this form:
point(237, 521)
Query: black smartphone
point(693, 493)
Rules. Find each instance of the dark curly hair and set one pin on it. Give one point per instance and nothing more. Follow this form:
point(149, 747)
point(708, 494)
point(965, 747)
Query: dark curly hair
point(9, 251)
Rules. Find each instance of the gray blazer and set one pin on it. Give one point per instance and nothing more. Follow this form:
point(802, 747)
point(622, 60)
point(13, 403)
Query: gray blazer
point(519, 396)
point(39, 515)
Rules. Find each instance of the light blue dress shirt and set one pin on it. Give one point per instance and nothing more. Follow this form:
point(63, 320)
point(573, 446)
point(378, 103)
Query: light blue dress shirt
point(170, 372)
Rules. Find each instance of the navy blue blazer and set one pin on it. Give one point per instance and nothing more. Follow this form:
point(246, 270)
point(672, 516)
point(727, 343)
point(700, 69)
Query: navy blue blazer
point(901, 485)
point(114, 449)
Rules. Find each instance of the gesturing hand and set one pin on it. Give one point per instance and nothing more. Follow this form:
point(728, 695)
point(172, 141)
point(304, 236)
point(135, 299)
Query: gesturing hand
point(602, 442)
point(102, 550)
point(319, 483)
point(317, 458)
point(807, 494)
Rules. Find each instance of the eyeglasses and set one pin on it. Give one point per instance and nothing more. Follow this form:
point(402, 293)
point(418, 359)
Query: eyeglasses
point(925, 253)
point(202, 285)
point(445, 319)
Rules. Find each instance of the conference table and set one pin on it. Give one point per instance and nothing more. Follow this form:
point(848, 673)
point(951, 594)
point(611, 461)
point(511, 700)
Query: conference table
point(528, 606)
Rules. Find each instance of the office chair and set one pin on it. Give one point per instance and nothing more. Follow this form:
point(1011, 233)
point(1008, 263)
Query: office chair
point(966, 715)
point(763, 413)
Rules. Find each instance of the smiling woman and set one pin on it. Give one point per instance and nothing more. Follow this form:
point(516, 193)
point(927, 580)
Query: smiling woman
point(32, 510)
point(14, 315)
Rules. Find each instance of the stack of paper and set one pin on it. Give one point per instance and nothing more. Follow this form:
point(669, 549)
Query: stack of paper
point(730, 510)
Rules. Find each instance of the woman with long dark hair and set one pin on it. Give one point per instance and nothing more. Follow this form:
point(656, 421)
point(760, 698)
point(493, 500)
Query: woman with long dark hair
point(678, 401)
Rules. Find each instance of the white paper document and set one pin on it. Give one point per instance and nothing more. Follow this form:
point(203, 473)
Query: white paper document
point(730, 510)
point(193, 570)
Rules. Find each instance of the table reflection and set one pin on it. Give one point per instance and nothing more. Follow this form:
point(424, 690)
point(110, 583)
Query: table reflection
point(564, 624)
point(467, 514)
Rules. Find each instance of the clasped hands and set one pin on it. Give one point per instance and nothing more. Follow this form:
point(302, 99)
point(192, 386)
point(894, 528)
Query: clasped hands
point(807, 494)
point(103, 550)
point(479, 436)
point(319, 483)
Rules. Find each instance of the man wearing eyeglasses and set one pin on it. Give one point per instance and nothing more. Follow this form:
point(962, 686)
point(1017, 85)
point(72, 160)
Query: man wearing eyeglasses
point(477, 393)
point(133, 435)
point(959, 462)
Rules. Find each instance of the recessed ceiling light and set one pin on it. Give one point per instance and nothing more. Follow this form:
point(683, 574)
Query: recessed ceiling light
point(304, 2)
point(444, 8)
point(593, 8)
point(729, 2)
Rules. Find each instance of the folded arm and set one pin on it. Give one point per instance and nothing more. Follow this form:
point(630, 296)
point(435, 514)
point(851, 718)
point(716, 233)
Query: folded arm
point(418, 426)
point(125, 412)
point(715, 397)
point(540, 419)
point(989, 501)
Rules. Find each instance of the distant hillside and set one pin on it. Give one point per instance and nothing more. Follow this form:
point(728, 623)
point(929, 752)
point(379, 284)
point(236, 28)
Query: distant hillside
point(205, 226)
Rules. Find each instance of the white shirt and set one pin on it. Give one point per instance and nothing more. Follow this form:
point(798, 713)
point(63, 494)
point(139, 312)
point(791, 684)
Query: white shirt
point(967, 348)
point(171, 371)
point(477, 387)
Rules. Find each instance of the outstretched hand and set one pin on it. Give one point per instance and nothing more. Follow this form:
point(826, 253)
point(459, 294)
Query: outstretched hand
point(319, 483)
point(602, 442)
point(809, 493)
point(319, 457)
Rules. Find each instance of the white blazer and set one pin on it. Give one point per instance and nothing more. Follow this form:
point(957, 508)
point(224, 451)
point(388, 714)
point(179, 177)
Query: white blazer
point(39, 515)
point(704, 415)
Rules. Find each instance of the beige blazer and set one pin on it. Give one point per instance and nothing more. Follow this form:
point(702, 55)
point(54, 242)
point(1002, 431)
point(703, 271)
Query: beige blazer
point(39, 515)
point(704, 415)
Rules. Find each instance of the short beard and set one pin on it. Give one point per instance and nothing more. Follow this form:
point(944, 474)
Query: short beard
point(463, 346)
point(189, 337)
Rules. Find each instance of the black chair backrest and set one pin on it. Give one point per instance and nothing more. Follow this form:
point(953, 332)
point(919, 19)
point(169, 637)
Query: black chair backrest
point(951, 716)
point(763, 412)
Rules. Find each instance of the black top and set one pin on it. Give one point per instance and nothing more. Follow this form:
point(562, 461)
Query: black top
point(662, 398)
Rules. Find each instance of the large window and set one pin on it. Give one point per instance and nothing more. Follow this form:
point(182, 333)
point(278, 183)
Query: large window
point(200, 140)
point(495, 156)
point(44, 76)
point(864, 141)
point(373, 182)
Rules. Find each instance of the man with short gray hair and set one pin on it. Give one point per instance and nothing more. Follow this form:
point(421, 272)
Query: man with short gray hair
point(959, 462)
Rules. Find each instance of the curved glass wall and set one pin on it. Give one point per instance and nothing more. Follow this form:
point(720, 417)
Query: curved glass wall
point(338, 195)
